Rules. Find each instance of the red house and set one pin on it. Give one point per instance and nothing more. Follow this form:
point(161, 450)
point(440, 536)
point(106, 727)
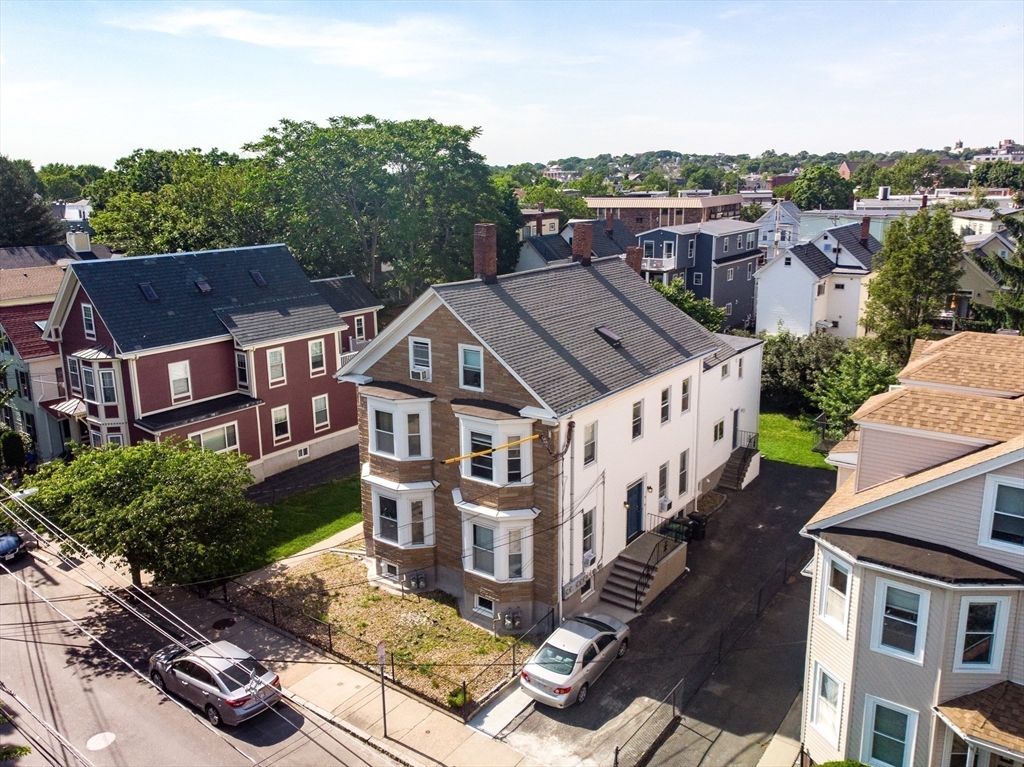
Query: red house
point(234, 349)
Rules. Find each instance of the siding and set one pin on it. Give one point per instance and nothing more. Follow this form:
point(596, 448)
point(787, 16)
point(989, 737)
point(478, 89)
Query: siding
point(882, 456)
point(211, 368)
point(785, 295)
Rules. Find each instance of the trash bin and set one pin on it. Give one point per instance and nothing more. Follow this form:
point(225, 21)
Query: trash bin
point(698, 525)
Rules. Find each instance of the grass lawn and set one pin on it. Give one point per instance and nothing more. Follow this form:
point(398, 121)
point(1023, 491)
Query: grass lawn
point(789, 439)
point(309, 517)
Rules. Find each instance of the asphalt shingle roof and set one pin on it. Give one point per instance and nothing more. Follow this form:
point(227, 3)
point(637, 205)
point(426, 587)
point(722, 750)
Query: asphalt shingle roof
point(197, 411)
point(19, 324)
point(813, 259)
point(849, 237)
point(542, 324)
point(47, 255)
point(615, 245)
point(551, 247)
point(346, 294)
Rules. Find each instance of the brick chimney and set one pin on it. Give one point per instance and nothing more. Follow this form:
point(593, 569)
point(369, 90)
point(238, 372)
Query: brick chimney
point(485, 253)
point(609, 222)
point(924, 201)
point(788, 196)
point(865, 230)
point(582, 243)
point(852, 201)
point(634, 257)
point(540, 207)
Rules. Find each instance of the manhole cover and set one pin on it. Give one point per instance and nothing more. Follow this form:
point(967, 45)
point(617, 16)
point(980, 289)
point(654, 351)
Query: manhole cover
point(224, 623)
point(100, 741)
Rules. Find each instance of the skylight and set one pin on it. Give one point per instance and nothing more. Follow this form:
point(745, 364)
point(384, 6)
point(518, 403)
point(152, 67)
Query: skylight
point(258, 278)
point(148, 292)
point(609, 335)
point(203, 285)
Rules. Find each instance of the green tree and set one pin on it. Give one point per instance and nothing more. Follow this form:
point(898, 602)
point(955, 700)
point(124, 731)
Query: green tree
point(655, 181)
point(68, 182)
point(591, 185)
point(917, 270)
point(1000, 174)
point(840, 390)
point(571, 207)
point(31, 178)
point(701, 309)
point(752, 212)
point(821, 187)
point(175, 510)
point(704, 178)
point(791, 366)
point(12, 449)
point(507, 216)
point(1007, 310)
point(24, 218)
point(867, 178)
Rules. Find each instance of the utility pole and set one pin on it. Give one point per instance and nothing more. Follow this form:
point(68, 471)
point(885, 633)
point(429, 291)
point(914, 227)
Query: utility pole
point(381, 658)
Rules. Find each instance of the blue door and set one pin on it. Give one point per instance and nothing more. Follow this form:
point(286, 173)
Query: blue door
point(634, 511)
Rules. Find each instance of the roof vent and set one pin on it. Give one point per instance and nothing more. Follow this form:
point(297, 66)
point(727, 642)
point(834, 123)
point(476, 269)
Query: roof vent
point(609, 335)
point(258, 278)
point(148, 292)
point(203, 285)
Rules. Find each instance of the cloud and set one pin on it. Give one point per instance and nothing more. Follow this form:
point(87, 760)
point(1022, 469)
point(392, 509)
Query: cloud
point(739, 10)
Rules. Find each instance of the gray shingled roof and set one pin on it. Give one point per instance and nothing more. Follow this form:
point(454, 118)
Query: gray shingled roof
point(615, 245)
point(849, 237)
point(346, 294)
point(812, 258)
point(254, 324)
point(551, 247)
point(196, 411)
point(542, 324)
point(27, 256)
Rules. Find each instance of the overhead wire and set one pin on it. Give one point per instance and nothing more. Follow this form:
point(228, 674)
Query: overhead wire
point(64, 742)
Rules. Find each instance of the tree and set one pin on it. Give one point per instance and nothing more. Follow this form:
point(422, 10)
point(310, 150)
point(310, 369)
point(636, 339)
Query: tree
point(173, 509)
point(821, 187)
point(67, 182)
point(24, 218)
point(1000, 174)
point(1007, 310)
point(917, 270)
point(913, 172)
point(571, 207)
point(12, 449)
point(655, 181)
point(701, 309)
point(509, 219)
point(840, 390)
point(752, 212)
point(591, 185)
point(791, 366)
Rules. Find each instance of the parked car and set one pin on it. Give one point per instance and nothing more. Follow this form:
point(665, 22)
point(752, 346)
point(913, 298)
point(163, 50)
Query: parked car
point(11, 545)
point(225, 681)
point(572, 658)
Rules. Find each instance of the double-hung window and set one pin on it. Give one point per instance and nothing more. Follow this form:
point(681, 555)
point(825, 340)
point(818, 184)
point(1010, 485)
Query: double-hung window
point(666, 404)
point(648, 248)
point(739, 368)
point(981, 634)
point(900, 620)
point(719, 431)
point(317, 361)
point(384, 431)
point(89, 383)
point(471, 368)
point(739, 242)
point(483, 549)
point(638, 419)
point(515, 553)
point(282, 431)
point(399, 429)
point(481, 466)
point(360, 328)
point(514, 461)
point(691, 248)
point(1002, 517)
point(416, 523)
point(107, 387)
point(684, 399)
point(828, 696)
point(275, 367)
point(413, 434)
point(725, 370)
point(88, 322)
point(668, 249)
point(835, 593)
point(321, 415)
point(684, 461)
point(729, 274)
point(221, 439)
point(419, 359)
point(663, 481)
point(73, 375)
point(181, 381)
point(750, 271)
point(387, 515)
point(698, 278)
point(588, 531)
point(888, 733)
point(24, 384)
point(589, 443)
point(725, 244)
point(242, 370)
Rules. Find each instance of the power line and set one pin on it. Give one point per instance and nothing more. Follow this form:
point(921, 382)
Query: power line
point(60, 738)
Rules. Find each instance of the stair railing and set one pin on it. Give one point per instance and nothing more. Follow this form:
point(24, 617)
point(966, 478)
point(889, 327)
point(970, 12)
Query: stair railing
point(658, 553)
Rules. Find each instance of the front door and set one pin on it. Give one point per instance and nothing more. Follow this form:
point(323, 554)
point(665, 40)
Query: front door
point(634, 510)
point(735, 428)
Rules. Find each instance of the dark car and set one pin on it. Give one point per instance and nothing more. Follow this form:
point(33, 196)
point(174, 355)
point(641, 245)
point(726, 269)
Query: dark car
point(11, 545)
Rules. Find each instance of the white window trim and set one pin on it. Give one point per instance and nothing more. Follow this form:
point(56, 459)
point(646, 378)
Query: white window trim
point(668, 249)
point(88, 320)
point(725, 244)
point(359, 323)
point(831, 737)
point(188, 377)
point(684, 390)
point(594, 459)
point(430, 354)
point(714, 431)
point(500, 432)
point(115, 439)
point(273, 430)
point(113, 381)
point(698, 278)
point(283, 380)
point(76, 365)
point(988, 508)
point(870, 704)
point(248, 371)
point(221, 427)
point(729, 274)
point(827, 560)
point(316, 372)
point(404, 499)
point(501, 527)
point(665, 405)
point(327, 402)
point(645, 244)
point(400, 410)
point(483, 610)
point(85, 388)
point(480, 350)
point(302, 452)
point(632, 407)
point(998, 638)
point(878, 614)
point(691, 247)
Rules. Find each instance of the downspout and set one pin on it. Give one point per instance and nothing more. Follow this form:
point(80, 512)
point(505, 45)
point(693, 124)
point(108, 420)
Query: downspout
point(572, 498)
point(696, 432)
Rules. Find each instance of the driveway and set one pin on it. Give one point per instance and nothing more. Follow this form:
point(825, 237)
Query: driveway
point(747, 539)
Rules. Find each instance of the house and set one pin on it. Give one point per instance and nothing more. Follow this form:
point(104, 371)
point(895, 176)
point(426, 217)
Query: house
point(611, 239)
point(915, 648)
point(762, 197)
point(231, 348)
point(519, 434)
point(819, 286)
point(644, 212)
point(781, 180)
point(34, 375)
point(814, 222)
point(1007, 151)
point(78, 248)
point(716, 260)
point(538, 222)
point(977, 284)
point(976, 221)
point(784, 216)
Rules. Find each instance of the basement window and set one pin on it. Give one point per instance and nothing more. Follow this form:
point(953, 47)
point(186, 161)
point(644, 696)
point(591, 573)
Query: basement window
point(148, 292)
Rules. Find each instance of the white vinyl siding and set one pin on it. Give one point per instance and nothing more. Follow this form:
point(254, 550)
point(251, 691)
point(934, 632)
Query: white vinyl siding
point(889, 734)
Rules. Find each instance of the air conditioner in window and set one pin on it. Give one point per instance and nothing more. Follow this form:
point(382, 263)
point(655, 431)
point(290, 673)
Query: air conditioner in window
point(420, 373)
point(588, 558)
point(664, 505)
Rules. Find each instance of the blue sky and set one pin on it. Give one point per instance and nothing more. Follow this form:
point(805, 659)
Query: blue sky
point(90, 81)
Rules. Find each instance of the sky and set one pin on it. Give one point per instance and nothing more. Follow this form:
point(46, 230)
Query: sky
point(89, 81)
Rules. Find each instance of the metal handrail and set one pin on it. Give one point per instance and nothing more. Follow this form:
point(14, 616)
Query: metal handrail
point(663, 547)
point(747, 439)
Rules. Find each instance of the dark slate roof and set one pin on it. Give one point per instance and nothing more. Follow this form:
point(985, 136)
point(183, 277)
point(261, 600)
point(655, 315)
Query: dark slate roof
point(551, 247)
point(195, 412)
point(47, 255)
point(346, 294)
point(849, 237)
point(288, 305)
point(542, 324)
point(18, 323)
point(604, 245)
point(812, 258)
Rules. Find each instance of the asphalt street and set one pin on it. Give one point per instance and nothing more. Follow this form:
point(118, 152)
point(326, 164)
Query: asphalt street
point(111, 715)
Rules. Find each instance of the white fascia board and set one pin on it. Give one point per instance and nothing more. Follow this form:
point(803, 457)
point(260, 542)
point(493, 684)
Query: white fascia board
point(384, 342)
point(358, 380)
point(468, 507)
point(542, 414)
point(399, 487)
point(61, 303)
point(846, 460)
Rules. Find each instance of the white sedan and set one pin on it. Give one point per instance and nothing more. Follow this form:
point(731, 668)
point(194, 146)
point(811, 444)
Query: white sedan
point(573, 657)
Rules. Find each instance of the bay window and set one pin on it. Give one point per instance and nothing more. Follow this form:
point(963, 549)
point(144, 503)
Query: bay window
point(384, 431)
point(73, 375)
point(483, 549)
point(481, 466)
point(412, 422)
point(242, 370)
point(900, 620)
point(89, 383)
point(515, 554)
point(981, 634)
point(403, 514)
point(399, 429)
point(505, 465)
point(387, 514)
point(497, 545)
point(107, 387)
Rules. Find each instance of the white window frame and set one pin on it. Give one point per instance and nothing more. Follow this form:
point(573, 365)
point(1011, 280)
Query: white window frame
point(243, 357)
point(322, 370)
point(283, 380)
point(89, 321)
point(109, 373)
point(221, 428)
point(115, 439)
point(287, 437)
point(327, 409)
point(663, 480)
point(592, 441)
point(400, 411)
point(820, 290)
point(359, 325)
point(840, 286)
point(751, 239)
point(719, 431)
point(89, 382)
point(648, 249)
point(501, 433)
point(633, 419)
point(787, 261)
point(668, 249)
point(725, 370)
point(725, 244)
point(171, 378)
point(684, 396)
point(739, 242)
point(74, 374)
point(729, 274)
point(750, 271)
point(739, 367)
point(988, 508)
point(878, 615)
point(698, 278)
point(478, 608)
point(302, 452)
point(463, 348)
point(995, 666)
point(691, 247)
point(827, 562)
point(831, 736)
point(871, 703)
point(501, 528)
point(413, 340)
point(683, 477)
point(728, 309)
point(404, 500)
point(665, 405)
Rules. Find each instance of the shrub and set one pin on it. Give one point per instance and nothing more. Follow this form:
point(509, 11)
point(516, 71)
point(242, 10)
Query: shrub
point(457, 698)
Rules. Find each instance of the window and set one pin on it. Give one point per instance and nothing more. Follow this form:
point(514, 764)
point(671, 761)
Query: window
point(24, 384)
point(471, 367)
point(5, 344)
point(384, 431)
point(1002, 513)
point(729, 274)
point(115, 439)
point(719, 430)
point(321, 416)
point(95, 438)
point(663, 481)
point(685, 397)
point(666, 404)
point(515, 553)
point(317, 366)
point(107, 387)
point(825, 707)
point(242, 370)
point(484, 606)
point(413, 433)
point(901, 617)
point(725, 244)
point(739, 368)
point(73, 376)
point(483, 549)
point(751, 238)
point(416, 523)
point(698, 278)
point(282, 432)
point(150, 293)
point(835, 593)
point(981, 634)
point(275, 367)
point(514, 458)
point(220, 440)
point(728, 309)
point(725, 370)
point(390, 570)
point(258, 278)
point(787, 261)
point(481, 466)
point(88, 322)
point(89, 383)
point(739, 242)
point(419, 359)
point(589, 443)
point(302, 452)
point(840, 286)
point(750, 271)
point(360, 328)
point(181, 382)
point(668, 249)
point(387, 512)
point(691, 248)
point(638, 419)
point(648, 248)
point(821, 288)
point(588, 531)
point(684, 464)
point(28, 420)
point(888, 734)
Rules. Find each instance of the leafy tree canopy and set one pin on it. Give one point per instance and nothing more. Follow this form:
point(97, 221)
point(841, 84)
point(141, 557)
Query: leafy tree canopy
point(571, 207)
point(701, 309)
point(752, 212)
point(67, 182)
point(24, 218)
point(840, 390)
point(1007, 310)
point(821, 187)
point(791, 366)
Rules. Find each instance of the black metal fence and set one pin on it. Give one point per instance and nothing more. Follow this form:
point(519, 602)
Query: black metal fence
point(641, 745)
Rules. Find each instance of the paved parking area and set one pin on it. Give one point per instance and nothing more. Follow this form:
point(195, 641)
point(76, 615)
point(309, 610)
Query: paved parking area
point(747, 540)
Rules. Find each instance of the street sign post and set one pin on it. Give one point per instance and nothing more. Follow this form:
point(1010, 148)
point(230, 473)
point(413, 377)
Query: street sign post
point(381, 661)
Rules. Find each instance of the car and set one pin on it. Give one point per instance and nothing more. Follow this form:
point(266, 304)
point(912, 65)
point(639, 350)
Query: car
point(572, 658)
point(11, 545)
point(223, 680)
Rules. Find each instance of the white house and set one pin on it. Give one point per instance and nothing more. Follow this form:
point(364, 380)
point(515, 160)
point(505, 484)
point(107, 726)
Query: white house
point(784, 216)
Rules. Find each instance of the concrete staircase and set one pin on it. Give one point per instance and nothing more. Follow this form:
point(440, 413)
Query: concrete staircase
point(736, 468)
point(621, 587)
